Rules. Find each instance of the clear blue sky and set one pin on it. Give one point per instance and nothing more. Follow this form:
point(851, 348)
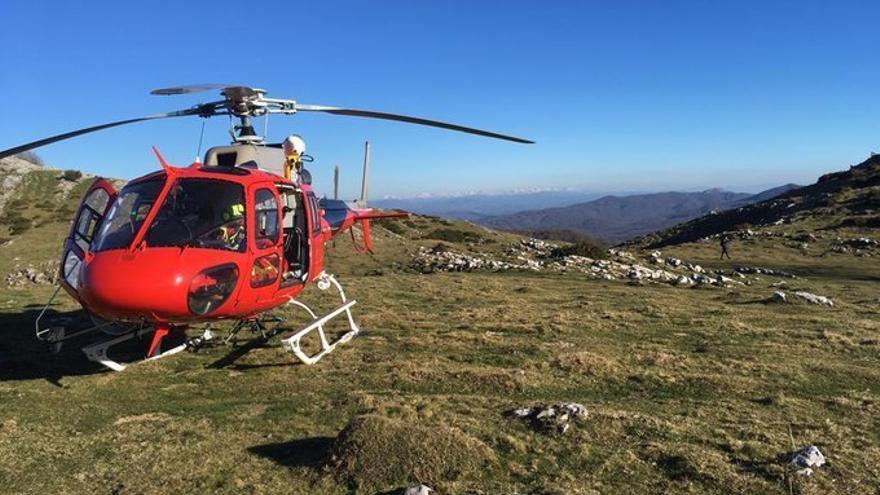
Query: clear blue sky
point(619, 95)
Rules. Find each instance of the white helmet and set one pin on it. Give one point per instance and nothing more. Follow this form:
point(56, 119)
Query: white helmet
point(294, 144)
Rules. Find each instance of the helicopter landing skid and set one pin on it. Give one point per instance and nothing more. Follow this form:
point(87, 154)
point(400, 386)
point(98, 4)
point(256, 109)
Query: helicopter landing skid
point(56, 334)
point(97, 352)
point(294, 342)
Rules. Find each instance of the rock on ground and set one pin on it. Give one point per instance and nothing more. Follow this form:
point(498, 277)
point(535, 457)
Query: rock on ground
point(548, 418)
point(814, 299)
point(417, 490)
point(807, 458)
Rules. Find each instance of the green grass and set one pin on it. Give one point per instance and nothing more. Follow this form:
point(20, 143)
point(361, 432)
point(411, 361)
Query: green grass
point(688, 390)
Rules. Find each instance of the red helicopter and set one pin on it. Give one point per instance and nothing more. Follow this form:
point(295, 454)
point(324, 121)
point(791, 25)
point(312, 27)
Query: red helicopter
point(227, 238)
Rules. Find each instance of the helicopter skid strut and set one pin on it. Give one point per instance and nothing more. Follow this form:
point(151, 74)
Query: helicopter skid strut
point(97, 352)
point(293, 343)
point(56, 335)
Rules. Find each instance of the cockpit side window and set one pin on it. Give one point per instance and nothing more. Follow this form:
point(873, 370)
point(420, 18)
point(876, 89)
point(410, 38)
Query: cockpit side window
point(90, 214)
point(127, 214)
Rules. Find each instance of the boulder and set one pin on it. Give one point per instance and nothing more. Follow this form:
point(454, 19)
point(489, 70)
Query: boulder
point(673, 261)
point(805, 459)
point(683, 280)
point(814, 299)
point(549, 418)
point(417, 490)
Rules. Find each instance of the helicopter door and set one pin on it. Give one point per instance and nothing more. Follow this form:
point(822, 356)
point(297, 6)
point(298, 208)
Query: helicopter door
point(267, 235)
point(296, 237)
point(316, 237)
point(77, 246)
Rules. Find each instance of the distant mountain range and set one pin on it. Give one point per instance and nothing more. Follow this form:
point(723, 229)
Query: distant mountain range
point(615, 219)
point(473, 207)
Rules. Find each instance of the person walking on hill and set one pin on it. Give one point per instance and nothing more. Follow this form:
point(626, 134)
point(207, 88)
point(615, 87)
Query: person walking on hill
point(725, 243)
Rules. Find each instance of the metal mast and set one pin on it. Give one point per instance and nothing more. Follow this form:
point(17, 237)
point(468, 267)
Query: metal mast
point(363, 200)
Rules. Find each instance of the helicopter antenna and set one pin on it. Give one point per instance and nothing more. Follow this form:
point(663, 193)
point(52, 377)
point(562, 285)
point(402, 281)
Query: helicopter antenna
point(201, 136)
point(363, 200)
point(336, 182)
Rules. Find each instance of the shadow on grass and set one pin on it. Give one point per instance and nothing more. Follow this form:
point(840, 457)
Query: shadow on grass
point(246, 367)
point(761, 300)
point(238, 352)
point(311, 452)
point(764, 469)
point(23, 357)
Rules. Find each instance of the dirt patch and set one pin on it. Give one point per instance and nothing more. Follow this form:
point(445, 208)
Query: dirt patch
point(142, 418)
point(253, 411)
point(375, 453)
point(587, 362)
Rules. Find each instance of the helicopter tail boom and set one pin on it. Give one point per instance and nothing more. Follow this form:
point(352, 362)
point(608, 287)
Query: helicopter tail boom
point(340, 217)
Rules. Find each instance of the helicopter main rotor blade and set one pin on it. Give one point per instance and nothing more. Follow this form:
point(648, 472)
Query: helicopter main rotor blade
point(200, 110)
point(191, 88)
point(404, 118)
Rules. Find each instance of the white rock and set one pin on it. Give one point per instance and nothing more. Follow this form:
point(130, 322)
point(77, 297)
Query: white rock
point(522, 412)
point(552, 417)
point(814, 299)
point(673, 261)
point(417, 490)
point(779, 297)
point(807, 458)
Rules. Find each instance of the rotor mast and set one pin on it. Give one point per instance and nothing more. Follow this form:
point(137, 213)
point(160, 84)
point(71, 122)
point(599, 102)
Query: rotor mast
point(245, 103)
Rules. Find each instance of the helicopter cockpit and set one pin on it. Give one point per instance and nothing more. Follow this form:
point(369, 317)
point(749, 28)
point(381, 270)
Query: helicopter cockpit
point(200, 213)
point(196, 213)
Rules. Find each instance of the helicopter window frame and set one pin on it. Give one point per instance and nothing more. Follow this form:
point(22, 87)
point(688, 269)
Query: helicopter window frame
point(313, 213)
point(89, 218)
point(85, 227)
point(259, 236)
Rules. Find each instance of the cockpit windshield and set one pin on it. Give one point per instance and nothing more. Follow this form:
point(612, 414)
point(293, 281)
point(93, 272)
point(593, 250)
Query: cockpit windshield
point(127, 214)
point(203, 213)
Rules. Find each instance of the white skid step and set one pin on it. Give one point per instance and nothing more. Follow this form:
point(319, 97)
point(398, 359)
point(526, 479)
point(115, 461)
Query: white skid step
point(293, 343)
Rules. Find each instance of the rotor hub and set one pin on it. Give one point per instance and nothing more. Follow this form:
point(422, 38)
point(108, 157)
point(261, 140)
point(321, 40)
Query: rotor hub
point(241, 100)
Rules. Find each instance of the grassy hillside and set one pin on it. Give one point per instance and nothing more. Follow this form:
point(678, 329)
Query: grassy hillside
point(844, 202)
point(696, 388)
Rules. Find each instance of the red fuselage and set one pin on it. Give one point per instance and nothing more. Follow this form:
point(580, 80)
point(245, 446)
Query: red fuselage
point(141, 281)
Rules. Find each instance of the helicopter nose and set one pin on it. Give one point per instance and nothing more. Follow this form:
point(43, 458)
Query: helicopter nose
point(150, 285)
